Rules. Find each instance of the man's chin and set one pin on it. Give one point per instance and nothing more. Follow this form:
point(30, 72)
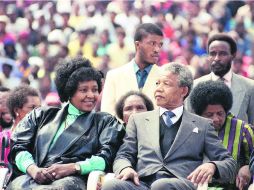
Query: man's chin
point(219, 73)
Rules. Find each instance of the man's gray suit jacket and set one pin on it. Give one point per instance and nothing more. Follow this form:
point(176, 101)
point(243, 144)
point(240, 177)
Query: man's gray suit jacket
point(195, 137)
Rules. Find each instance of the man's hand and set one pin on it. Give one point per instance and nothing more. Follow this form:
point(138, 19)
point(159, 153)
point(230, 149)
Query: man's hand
point(129, 173)
point(202, 174)
point(38, 174)
point(243, 177)
point(61, 170)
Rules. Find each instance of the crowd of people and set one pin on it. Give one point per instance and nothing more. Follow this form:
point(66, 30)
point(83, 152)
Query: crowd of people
point(109, 86)
point(36, 35)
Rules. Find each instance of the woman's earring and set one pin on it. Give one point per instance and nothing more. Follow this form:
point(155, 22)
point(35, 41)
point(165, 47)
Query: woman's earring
point(17, 114)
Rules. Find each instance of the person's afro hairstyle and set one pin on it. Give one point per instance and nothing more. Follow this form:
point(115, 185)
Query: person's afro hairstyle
point(210, 93)
point(81, 75)
point(64, 71)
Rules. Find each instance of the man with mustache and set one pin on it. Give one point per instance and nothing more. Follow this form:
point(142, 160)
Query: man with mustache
point(222, 50)
point(140, 73)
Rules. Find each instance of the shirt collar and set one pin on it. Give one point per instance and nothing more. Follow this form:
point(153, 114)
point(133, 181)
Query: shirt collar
point(72, 110)
point(136, 67)
point(177, 111)
point(227, 77)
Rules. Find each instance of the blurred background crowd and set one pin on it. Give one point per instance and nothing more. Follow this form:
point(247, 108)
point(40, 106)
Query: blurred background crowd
point(36, 35)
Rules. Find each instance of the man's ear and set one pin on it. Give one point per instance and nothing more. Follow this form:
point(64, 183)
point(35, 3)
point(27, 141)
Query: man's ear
point(185, 91)
point(137, 43)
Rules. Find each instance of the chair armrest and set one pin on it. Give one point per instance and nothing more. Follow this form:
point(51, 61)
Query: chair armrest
point(93, 178)
point(203, 186)
point(251, 187)
point(3, 174)
point(96, 177)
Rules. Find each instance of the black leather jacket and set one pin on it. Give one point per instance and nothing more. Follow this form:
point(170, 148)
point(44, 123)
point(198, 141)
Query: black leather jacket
point(98, 134)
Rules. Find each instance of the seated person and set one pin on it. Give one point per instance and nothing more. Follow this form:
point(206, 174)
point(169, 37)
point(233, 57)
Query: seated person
point(214, 100)
point(6, 122)
point(55, 148)
point(163, 149)
point(5, 116)
point(20, 101)
point(132, 102)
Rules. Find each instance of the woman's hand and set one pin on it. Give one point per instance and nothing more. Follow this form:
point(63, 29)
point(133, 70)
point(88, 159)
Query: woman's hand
point(38, 174)
point(59, 171)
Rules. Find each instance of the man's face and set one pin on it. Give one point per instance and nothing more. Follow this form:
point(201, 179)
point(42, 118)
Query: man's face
point(220, 57)
point(217, 114)
point(168, 93)
point(148, 49)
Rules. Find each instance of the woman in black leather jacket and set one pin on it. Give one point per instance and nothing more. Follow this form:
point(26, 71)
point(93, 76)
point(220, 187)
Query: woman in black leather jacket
point(56, 148)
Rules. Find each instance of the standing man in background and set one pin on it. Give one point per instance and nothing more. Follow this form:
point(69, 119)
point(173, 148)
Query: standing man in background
point(222, 50)
point(139, 74)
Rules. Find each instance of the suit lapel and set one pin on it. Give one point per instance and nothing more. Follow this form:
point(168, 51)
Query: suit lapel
point(47, 133)
point(185, 130)
point(130, 76)
point(150, 84)
point(238, 94)
point(151, 78)
point(153, 123)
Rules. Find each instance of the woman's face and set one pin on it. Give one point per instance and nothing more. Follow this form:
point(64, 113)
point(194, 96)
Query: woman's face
point(86, 96)
point(217, 114)
point(133, 104)
point(32, 102)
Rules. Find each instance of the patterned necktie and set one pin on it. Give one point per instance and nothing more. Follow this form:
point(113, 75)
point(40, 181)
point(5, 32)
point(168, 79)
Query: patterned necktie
point(142, 78)
point(169, 115)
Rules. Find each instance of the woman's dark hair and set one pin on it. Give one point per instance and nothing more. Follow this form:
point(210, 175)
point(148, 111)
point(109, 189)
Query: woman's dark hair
point(63, 75)
point(146, 28)
point(120, 104)
point(223, 37)
point(18, 97)
point(81, 74)
point(210, 93)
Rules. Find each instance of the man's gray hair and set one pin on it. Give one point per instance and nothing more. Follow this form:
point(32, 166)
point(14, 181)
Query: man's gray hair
point(183, 72)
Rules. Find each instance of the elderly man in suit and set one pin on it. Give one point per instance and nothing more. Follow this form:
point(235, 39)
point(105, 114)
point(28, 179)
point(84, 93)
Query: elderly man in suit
point(139, 74)
point(221, 53)
point(163, 149)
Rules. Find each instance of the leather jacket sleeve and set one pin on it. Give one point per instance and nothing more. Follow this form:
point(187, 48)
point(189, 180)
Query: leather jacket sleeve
point(111, 133)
